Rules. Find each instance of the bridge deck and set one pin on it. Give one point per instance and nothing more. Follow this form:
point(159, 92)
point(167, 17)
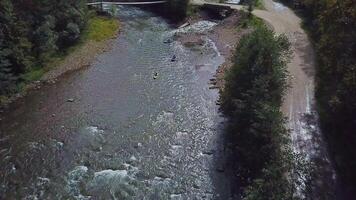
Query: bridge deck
point(126, 3)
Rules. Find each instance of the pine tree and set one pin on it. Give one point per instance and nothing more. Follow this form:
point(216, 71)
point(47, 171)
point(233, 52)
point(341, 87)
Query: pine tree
point(6, 77)
point(14, 38)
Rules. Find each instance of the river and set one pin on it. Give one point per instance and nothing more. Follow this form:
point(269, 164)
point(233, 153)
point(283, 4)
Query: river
point(133, 125)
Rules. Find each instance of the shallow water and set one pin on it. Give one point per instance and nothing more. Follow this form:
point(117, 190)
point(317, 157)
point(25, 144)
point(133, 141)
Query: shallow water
point(233, 1)
point(126, 135)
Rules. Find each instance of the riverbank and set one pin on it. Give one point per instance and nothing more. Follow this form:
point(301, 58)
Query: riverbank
point(95, 40)
point(225, 35)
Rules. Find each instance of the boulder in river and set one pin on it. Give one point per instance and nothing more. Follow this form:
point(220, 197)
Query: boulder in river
point(168, 41)
point(155, 76)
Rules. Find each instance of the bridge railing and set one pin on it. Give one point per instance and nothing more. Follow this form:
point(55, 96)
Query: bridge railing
point(91, 2)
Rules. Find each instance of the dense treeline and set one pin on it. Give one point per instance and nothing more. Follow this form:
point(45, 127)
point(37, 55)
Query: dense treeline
point(251, 99)
point(174, 10)
point(177, 9)
point(31, 31)
point(332, 25)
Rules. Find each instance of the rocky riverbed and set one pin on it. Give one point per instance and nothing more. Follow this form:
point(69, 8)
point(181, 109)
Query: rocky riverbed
point(224, 33)
point(139, 122)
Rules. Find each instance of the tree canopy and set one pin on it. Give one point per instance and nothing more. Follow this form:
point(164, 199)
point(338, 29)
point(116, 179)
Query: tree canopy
point(251, 99)
point(33, 30)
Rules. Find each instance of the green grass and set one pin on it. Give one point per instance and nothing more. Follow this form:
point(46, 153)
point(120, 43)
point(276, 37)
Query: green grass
point(101, 28)
point(192, 10)
point(33, 75)
point(259, 5)
point(98, 29)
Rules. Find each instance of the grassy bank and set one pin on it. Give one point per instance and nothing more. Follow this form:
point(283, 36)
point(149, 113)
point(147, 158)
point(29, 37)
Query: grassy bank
point(99, 29)
point(251, 100)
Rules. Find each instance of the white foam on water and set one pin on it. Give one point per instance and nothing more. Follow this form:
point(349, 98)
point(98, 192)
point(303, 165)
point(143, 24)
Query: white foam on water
point(94, 130)
point(198, 27)
point(42, 181)
point(181, 134)
point(131, 169)
point(35, 145)
point(164, 118)
point(278, 6)
point(175, 149)
point(308, 100)
point(211, 44)
point(57, 144)
point(233, 1)
point(176, 197)
point(75, 178)
point(133, 158)
point(116, 182)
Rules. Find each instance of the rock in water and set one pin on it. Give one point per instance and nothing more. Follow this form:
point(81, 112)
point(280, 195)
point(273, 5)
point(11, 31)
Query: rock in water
point(155, 76)
point(168, 41)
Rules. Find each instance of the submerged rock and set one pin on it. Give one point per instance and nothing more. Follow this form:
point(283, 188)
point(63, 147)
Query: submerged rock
point(220, 169)
point(138, 145)
point(209, 152)
point(168, 41)
point(155, 76)
point(174, 58)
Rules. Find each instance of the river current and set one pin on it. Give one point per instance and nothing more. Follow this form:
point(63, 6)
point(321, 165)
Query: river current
point(138, 125)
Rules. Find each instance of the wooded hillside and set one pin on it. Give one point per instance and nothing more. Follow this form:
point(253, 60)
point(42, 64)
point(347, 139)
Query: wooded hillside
point(33, 30)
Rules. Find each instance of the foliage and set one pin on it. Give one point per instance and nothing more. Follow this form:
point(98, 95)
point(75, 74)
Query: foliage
point(192, 10)
point(251, 99)
point(32, 31)
point(250, 21)
point(6, 77)
point(337, 81)
point(253, 4)
point(177, 9)
point(332, 25)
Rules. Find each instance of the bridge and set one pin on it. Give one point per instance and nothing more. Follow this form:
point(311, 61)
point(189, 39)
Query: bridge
point(126, 2)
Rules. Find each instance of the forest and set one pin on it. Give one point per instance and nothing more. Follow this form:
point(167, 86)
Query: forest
point(31, 31)
point(332, 26)
point(251, 100)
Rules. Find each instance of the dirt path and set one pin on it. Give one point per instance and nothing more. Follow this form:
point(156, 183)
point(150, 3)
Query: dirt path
point(299, 102)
